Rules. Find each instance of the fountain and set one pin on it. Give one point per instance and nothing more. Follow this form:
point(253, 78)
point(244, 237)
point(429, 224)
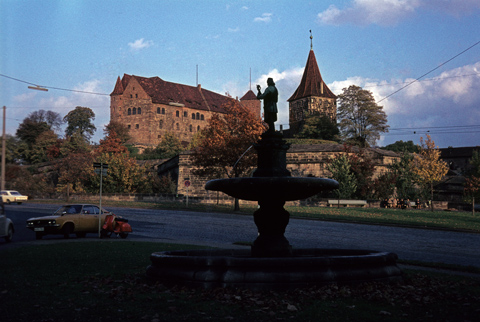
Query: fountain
point(271, 263)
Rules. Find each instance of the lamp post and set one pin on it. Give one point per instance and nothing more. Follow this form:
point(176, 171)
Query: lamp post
point(4, 143)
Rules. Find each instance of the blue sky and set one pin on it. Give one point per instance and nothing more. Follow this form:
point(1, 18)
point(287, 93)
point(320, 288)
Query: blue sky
point(380, 45)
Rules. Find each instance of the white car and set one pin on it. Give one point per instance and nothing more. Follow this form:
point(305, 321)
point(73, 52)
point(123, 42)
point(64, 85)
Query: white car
point(6, 226)
point(9, 196)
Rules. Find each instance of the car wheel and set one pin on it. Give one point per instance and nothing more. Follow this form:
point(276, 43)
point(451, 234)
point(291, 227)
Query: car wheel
point(81, 235)
point(67, 230)
point(123, 235)
point(8, 201)
point(9, 236)
point(38, 236)
point(19, 203)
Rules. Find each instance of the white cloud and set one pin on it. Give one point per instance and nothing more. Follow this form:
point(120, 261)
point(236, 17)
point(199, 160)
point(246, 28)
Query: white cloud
point(363, 12)
point(450, 99)
point(266, 17)
point(234, 29)
point(244, 8)
point(140, 44)
point(390, 12)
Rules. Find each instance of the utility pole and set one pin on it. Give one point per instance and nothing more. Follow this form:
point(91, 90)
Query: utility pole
point(4, 143)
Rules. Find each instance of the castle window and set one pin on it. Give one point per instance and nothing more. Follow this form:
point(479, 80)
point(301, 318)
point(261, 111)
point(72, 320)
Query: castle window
point(190, 128)
point(177, 114)
point(137, 126)
point(158, 110)
point(129, 111)
point(134, 111)
point(202, 117)
point(131, 96)
point(139, 110)
point(185, 114)
point(198, 116)
point(129, 126)
point(136, 95)
point(198, 128)
point(163, 110)
point(178, 126)
point(161, 124)
point(193, 116)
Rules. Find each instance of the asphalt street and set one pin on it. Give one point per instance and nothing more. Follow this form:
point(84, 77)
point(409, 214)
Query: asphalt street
point(223, 230)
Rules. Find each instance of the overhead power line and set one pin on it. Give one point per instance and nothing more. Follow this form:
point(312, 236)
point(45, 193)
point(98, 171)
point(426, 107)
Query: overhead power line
point(51, 87)
point(432, 70)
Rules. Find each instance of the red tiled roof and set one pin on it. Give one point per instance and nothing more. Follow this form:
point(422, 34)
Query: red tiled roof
point(249, 96)
point(311, 84)
point(118, 87)
point(163, 92)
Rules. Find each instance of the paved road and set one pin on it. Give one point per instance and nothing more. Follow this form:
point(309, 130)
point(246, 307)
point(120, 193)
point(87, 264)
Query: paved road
point(223, 230)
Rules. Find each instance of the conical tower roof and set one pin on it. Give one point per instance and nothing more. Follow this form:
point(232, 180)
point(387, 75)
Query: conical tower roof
point(118, 90)
point(312, 83)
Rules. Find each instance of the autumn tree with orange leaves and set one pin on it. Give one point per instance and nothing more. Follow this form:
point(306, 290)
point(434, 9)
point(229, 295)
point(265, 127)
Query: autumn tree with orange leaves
point(225, 139)
point(428, 166)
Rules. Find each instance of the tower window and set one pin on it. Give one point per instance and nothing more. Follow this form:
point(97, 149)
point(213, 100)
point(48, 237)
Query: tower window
point(129, 111)
point(139, 110)
point(134, 111)
point(185, 114)
point(137, 126)
point(177, 114)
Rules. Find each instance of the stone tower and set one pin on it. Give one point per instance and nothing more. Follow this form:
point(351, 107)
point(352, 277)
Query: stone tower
point(311, 96)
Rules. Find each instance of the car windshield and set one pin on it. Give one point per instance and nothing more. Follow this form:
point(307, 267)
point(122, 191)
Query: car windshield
point(70, 209)
point(15, 193)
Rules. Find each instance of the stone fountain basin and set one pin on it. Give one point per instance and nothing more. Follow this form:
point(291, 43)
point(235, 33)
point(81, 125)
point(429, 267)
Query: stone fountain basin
point(272, 188)
point(307, 267)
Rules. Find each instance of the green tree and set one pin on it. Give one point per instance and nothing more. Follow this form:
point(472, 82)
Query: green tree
point(39, 152)
point(122, 131)
point(79, 121)
point(428, 166)
point(405, 177)
point(169, 146)
point(400, 146)
point(341, 171)
point(318, 126)
point(361, 120)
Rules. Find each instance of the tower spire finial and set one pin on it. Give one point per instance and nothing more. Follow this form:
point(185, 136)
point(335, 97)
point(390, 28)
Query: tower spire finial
point(311, 40)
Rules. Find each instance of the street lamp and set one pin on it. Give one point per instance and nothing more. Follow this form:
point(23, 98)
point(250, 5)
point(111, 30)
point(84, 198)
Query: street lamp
point(38, 88)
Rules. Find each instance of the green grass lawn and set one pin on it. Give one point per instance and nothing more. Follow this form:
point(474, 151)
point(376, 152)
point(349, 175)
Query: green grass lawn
point(102, 280)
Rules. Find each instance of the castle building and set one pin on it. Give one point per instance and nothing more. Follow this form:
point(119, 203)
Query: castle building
point(312, 96)
point(151, 107)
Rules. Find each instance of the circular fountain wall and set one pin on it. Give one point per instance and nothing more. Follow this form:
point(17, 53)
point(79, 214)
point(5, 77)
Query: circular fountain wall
point(306, 267)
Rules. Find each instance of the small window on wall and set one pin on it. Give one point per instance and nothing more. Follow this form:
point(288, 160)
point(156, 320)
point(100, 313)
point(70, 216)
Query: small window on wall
point(158, 110)
point(185, 114)
point(198, 116)
point(177, 113)
point(161, 124)
point(178, 126)
point(129, 126)
point(134, 111)
point(129, 111)
point(193, 116)
point(202, 117)
point(131, 96)
point(137, 126)
point(139, 110)
point(198, 128)
point(163, 110)
point(190, 128)
point(136, 95)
